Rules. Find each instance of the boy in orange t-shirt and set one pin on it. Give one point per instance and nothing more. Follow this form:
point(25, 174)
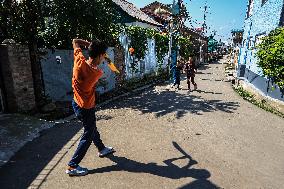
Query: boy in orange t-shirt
point(85, 76)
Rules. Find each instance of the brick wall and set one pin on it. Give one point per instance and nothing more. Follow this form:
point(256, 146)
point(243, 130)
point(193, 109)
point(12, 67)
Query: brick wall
point(17, 75)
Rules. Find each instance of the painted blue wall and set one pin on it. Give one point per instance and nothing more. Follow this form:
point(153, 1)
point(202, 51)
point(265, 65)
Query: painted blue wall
point(264, 18)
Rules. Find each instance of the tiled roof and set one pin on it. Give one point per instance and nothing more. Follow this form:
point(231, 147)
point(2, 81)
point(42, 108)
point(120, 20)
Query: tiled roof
point(191, 31)
point(135, 12)
point(164, 6)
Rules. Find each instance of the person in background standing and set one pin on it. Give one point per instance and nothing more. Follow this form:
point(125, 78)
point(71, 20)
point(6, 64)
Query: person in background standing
point(177, 73)
point(190, 71)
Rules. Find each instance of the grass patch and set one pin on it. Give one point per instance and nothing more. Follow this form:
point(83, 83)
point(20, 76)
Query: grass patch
point(260, 103)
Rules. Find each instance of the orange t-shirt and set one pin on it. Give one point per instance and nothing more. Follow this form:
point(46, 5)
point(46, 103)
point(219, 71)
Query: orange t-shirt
point(84, 80)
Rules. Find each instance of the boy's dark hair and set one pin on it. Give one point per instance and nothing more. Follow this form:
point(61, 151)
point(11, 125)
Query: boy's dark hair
point(97, 48)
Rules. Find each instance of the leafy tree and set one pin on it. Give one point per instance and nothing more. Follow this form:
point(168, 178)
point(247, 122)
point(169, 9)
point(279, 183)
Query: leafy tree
point(138, 38)
point(270, 56)
point(54, 23)
point(21, 21)
point(85, 19)
point(162, 46)
point(186, 47)
point(212, 44)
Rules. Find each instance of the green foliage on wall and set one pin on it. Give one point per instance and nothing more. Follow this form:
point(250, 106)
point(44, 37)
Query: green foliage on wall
point(138, 37)
point(162, 47)
point(270, 56)
point(186, 47)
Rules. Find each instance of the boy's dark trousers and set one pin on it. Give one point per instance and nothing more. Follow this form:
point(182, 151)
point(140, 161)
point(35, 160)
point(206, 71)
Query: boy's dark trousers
point(91, 134)
point(177, 77)
point(190, 79)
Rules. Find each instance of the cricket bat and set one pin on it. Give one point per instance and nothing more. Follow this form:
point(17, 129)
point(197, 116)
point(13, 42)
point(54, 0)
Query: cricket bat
point(111, 64)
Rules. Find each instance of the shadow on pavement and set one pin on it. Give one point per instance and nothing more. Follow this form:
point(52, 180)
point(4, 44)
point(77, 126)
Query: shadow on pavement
point(165, 102)
point(200, 184)
point(27, 164)
point(170, 170)
point(202, 73)
point(32, 160)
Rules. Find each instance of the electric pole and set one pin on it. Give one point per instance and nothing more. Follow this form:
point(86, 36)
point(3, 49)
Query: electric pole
point(204, 25)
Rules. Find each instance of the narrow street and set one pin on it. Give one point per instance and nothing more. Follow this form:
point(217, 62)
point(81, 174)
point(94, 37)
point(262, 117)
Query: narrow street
point(209, 138)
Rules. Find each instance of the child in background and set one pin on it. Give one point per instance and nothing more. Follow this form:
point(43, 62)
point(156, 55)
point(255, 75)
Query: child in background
point(177, 73)
point(190, 71)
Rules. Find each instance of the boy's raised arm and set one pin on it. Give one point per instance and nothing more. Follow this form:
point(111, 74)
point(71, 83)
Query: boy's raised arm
point(77, 42)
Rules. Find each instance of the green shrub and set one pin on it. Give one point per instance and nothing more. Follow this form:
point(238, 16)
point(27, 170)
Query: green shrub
point(138, 38)
point(186, 47)
point(271, 56)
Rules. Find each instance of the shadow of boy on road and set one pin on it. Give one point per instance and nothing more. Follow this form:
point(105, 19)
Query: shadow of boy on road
point(169, 171)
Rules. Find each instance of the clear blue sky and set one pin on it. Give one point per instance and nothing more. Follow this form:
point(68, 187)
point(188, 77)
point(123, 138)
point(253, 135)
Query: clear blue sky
point(223, 16)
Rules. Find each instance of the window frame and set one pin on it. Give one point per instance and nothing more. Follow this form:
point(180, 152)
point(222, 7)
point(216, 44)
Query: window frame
point(263, 2)
point(244, 42)
point(281, 21)
point(251, 43)
point(250, 8)
point(258, 38)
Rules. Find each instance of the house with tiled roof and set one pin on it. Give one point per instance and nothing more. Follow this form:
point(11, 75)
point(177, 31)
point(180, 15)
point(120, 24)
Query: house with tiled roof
point(165, 11)
point(131, 15)
point(162, 12)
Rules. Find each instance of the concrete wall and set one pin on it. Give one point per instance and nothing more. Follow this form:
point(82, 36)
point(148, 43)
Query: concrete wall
point(17, 77)
point(264, 18)
point(57, 67)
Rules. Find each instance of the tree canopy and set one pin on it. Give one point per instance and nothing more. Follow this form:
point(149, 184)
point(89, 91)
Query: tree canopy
point(53, 23)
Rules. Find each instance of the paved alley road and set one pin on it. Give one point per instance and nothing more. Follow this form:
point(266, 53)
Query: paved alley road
point(210, 138)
